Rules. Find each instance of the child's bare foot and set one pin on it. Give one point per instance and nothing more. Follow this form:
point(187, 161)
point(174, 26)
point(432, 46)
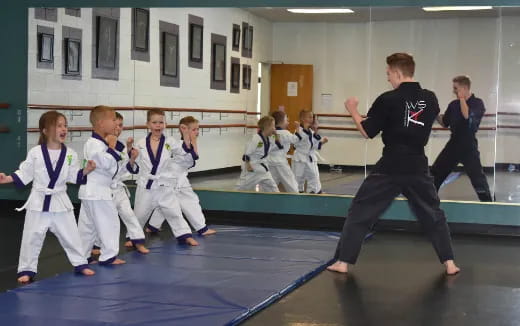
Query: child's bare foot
point(339, 267)
point(151, 229)
point(118, 261)
point(451, 268)
point(129, 244)
point(88, 272)
point(141, 248)
point(24, 279)
point(192, 242)
point(96, 252)
point(209, 232)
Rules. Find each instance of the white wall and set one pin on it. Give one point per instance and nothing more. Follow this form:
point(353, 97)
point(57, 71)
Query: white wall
point(139, 83)
point(349, 60)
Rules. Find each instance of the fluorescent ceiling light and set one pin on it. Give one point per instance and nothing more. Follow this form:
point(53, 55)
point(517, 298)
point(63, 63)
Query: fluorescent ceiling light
point(457, 8)
point(321, 11)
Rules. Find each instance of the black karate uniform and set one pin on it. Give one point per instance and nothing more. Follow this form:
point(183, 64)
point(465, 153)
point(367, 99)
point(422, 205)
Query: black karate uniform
point(463, 147)
point(405, 116)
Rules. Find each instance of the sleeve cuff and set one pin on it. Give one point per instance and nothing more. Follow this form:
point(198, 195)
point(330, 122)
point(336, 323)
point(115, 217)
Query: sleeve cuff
point(191, 151)
point(245, 158)
point(81, 179)
point(17, 181)
point(130, 168)
point(280, 146)
point(298, 135)
point(114, 154)
point(320, 144)
point(119, 146)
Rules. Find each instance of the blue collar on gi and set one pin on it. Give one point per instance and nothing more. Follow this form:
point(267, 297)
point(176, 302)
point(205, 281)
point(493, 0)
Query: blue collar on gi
point(53, 173)
point(154, 159)
point(309, 134)
point(267, 144)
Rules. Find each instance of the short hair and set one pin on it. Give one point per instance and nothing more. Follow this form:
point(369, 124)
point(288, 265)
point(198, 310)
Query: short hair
point(99, 112)
point(48, 120)
point(279, 116)
point(403, 62)
point(304, 113)
point(188, 120)
point(265, 121)
point(153, 112)
point(119, 116)
point(463, 81)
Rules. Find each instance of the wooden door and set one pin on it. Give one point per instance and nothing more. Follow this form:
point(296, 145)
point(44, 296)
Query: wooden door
point(291, 88)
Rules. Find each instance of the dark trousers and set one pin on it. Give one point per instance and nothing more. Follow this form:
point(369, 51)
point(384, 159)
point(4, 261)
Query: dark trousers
point(376, 194)
point(470, 157)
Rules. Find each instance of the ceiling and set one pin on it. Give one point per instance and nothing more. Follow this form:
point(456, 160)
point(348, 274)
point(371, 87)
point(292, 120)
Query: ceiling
point(365, 14)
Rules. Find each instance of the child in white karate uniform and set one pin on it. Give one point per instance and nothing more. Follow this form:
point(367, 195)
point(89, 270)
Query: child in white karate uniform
point(49, 166)
point(157, 178)
point(254, 167)
point(98, 219)
point(277, 159)
point(305, 159)
point(181, 163)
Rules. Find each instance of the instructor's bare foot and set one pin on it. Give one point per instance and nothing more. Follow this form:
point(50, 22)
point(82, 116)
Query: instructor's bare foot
point(129, 244)
point(24, 279)
point(88, 272)
point(451, 268)
point(141, 248)
point(118, 261)
point(339, 267)
point(209, 232)
point(192, 242)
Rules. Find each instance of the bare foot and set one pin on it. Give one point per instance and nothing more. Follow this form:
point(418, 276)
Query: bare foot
point(129, 244)
point(209, 232)
point(96, 252)
point(141, 248)
point(24, 279)
point(451, 268)
point(338, 266)
point(192, 242)
point(148, 230)
point(118, 262)
point(88, 272)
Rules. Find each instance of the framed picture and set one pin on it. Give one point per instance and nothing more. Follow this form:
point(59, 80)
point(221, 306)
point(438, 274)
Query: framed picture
point(235, 75)
point(196, 42)
point(141, 29)
point(219, 62)
point(106, 42)
point(72, 56)
point(170, 54)
point(250, 38)
point(45, 47)
point(246, 77)
point(236, 37)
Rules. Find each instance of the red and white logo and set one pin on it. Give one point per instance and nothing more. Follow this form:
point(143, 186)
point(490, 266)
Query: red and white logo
point(413, 112)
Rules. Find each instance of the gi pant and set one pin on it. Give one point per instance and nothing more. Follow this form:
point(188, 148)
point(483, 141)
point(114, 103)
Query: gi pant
point(283, 174)
point(250, 179)
point(307, 171)
point(452, 155)
point(376, 194)
point(98, 220)
point(134, 231)
point(63, 225)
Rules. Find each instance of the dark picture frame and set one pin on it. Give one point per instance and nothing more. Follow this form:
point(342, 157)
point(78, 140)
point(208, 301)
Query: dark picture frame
point(196, 42)
point(246, 77)
point(219, 62)
point(141, 29)
point(236, 37)
point(106, 42)
point(250, 38)
point(170, 54)
point(45, 47)
point(235, 76)
point(72, 56)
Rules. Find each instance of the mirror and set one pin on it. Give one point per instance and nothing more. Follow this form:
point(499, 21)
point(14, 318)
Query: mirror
point(227, 67)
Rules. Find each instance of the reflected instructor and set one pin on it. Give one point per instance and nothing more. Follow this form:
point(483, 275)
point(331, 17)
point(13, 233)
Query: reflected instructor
point(463, 117)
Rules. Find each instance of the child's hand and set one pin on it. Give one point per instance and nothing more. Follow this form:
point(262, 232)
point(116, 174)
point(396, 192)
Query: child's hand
point(324, 140)
point(134, 153)
point(249, 167)
point(129, 142)
point(89, 167)
point(296, 124)
point(111, 141)
point(193, 137)
point(5, 178)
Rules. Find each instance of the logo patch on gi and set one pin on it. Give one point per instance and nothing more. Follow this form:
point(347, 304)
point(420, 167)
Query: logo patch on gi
point(260, 144)
point(84, 164)
point(413, 111)
point(168, 147)
point(69, 159)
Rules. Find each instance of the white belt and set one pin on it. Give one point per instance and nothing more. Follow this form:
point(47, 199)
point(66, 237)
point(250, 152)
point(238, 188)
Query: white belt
point(45, 191)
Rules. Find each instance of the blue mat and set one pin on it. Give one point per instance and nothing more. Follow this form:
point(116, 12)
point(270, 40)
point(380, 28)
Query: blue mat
point(223, 281)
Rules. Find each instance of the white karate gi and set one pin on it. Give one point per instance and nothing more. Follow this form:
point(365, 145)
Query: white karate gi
point(277, 160)
point(305, 161)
